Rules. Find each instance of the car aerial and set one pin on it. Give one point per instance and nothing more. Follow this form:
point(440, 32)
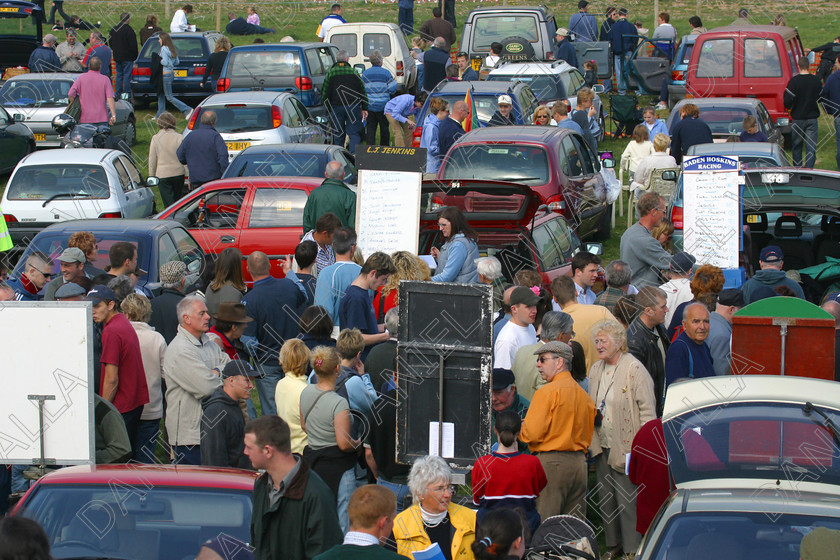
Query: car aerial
point(676, 85)
point(251, 214)
point(528, 30)
point(139, 512)
point(387, 38)
point(550, 82)
point(16, 141)
point(554, 162)
point(40, 97)
point(20, 33)
point(753, 458)
point(298, 68)
point(512, 224)
point(485, 95)
point(251, 118)
point(303, 160)
point(725, 117)
point(157, 242)
point(194, 50)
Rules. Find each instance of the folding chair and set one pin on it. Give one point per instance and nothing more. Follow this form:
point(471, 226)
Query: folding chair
point(625, 114)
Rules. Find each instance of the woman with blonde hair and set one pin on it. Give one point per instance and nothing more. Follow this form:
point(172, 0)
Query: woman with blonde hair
point(216, 62)
point(623, 393)
point(409, 267)
point(542, 116)
point(163, 163)
point(664, 233)
point(294, 359)
point(638, 149)
point(168, 60)
point(228, 285)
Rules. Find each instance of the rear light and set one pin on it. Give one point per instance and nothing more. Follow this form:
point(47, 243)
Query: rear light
point(677, 75)
point(199, 70)
point(10, 219)
point(303, 83)
point(437, 204)
point(193, 118)
point(138, 71)
point(223, 85)
point(111, 215)
point(400, 70)
point(276, 116)
point(689, 95)
point(677, 216)
point(549, 55)
point(556, 203)
point(416, 136)
point(568, 107)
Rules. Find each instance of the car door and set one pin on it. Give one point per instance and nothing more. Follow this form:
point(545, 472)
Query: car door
point(712, 72)
point(218, 226)
point(347, 160)
point(556, 244)
point(577, 163)
point(762, 70)
point(143, 196)
point(291, 120)
point(310, 132)
point(127, 196)
point(649, 66)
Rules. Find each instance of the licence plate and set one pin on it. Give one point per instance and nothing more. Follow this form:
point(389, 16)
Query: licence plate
point(40, 137)
point(237, 146)
point(180, 73)
point(8, 9)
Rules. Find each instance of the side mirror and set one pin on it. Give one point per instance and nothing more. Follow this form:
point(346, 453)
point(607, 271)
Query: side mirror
point(609, 163)
point(359, 68)
point(322, 120)
point(782, 121)
point(595, 248)
point(18, 117)
point(152, 182)
point(598, 88)
point(669, 175)
point(125, 96)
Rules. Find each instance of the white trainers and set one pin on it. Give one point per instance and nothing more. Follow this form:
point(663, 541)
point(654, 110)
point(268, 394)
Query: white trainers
point(662, 105)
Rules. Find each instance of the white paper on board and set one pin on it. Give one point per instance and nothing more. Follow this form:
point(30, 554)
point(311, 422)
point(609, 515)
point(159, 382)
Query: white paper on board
point(448, 439)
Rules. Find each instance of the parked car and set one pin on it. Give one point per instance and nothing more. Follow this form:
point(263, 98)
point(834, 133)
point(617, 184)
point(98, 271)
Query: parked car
point(38, 98)
point(725, 117)
point(20, 33)
point(512, 224)
point(139, 512)
point(253, 214)
point(554, 162)
point(753, 458)
point(301, 160)
point(252, 118)
point(746, 61)
point(298, 68)
point(750, 154)
point(194, 50)
point(361, 39)
point(525, 32)
point(157, 242)
point(16, 140)
point(679, 67)
point(485, 95)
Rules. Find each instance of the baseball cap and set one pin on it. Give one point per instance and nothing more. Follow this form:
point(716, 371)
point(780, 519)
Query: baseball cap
point(521, 294)
point(562, 31)
point(100, 293)
point(505, 100)
point(771, 253)
point(239, 367)
point(502, 378)
point(622, 11)
point(68, 290)
point(171, 272)
point(556, 347)
point(72, 255)
point(682, 262)
point(582, 4)
point(731, 296)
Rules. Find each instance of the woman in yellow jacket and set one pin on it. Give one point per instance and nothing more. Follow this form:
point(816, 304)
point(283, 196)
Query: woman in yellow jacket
point(433, 515)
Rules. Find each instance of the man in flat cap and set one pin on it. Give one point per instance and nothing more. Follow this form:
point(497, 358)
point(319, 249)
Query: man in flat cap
point(71, 262)
point(729, 302)
point(70, 292)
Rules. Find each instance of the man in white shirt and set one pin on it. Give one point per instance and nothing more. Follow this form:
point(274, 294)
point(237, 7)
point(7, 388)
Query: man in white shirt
point(678, 288)
point(585, 268)
point(179, 20)
point(519, 330)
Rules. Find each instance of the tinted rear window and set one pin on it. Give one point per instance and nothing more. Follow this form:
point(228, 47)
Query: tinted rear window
point(189, 48)
point(376, 42)
point(761, 58)
point(241, 118)
point(509, 162)
point(687, 50)
point(17, 24)
point(73, 181)
point(490, 29)
point(260, 64)
point(724, 120)
point(544, 87)
point(279, 164)
point(31, 93)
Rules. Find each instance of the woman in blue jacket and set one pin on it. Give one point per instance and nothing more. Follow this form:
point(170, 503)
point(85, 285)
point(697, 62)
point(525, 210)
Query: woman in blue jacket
point(168, 60)
point(456, 259)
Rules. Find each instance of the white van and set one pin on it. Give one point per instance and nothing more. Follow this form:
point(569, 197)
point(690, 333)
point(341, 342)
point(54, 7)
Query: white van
point(361, 39)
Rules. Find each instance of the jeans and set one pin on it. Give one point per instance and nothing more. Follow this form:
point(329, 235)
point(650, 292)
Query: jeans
point(376, 119)
point(132, 424)
point(347, 119)
point(346, 486)
point(147, 438)
point(400, 490)
point(266, 385)
point(620, 74)
point(186, 455)
point(168, 78)
point(804, 131)
point(405, 18)
point(123, 77)
point(58, 6)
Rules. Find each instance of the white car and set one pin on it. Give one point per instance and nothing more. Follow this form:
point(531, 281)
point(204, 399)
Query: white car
point(51, 186)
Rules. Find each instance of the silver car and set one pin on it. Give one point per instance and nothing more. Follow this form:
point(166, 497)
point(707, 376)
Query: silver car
point(40, 97)
point(754, 461)
point(252, 118)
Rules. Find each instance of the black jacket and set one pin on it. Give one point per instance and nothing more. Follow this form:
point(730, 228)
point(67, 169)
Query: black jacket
point(435, 61)
point(156, 73)
point(164, 317)
point(222, 432)
point(686, 133)
point(643, 345)
point(123, 42)
point(801, 96)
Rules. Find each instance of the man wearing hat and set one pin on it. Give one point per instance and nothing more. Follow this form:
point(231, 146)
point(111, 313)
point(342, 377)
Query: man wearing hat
point(222, 421)
point(71, 261)
point(622, 39)
point(504, 115)
point(123, 378)
point(584, 24)
point(720, 329)
point(231, 321)
point(43, 58)
point(678, 288)
point(558, 430)
point(164, 318)
point(771, 260)
point(519, 330)
point(647, 339)
point(506, 397)
point(565, 49)
point(71, 291)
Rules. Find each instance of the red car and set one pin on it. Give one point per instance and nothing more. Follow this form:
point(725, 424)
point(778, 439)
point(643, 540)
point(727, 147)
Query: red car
point(555, 162)
point(249, 213)
point(139, 512)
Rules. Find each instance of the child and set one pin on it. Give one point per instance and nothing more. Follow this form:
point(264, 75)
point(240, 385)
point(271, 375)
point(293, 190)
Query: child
point(590, 75)
point(253, 17)
point(751, 132)
point(637, 150)
point(417, 45)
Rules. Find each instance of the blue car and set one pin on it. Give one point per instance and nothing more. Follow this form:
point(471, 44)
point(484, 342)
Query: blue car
point(676, 85)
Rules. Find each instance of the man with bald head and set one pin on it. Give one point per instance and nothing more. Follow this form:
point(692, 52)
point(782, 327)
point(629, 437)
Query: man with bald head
point(274, 304)
point(450, 129)
point(689, 355)
point(333, 195)
point(833, 307)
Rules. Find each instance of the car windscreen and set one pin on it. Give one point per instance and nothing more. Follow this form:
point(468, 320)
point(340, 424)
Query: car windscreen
point(260, 64)
point(699, 536)
point(277, 164)
point(139, 522)
point(240, 117)
point(485, 105)
point(491, 29)
point(17, 23)
point(753, 162)
point(189, 48)
point(53, 245)
point(59, 182)
point(500, 162)
point(35, 93)
point(724, 120)
point(544, 87)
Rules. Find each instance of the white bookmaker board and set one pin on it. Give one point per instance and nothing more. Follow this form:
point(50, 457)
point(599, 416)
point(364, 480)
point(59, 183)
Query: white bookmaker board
point(388, 211)
point(47, 350)
point(712, 209)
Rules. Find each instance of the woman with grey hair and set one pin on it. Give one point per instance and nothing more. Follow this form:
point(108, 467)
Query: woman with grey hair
point(434, 518)
point(623, 393)
point(490, 272)
point(380, 85)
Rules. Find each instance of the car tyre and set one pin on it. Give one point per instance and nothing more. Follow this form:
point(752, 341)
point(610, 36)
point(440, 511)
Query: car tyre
point(518, 48)
point(604, 225)
point(130, 135)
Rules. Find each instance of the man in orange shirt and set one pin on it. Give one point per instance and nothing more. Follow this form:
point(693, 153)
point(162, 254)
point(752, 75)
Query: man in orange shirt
point(558, 429)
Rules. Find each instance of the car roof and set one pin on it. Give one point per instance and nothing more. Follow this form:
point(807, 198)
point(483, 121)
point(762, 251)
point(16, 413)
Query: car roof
point(485, 9)
point(118, 225)
point(719, 102)
point(736, 148)
point(280, 46)
point(188, 34)
point(59, 155)
point(287, 147)
point(757, 30)
point(364, 23)
point(243, 96)
point(689, 38)
point(156, 475)
point(517, 68)
point(483, 87)
point(265, 182)
point(44, 76)
point(513, 134)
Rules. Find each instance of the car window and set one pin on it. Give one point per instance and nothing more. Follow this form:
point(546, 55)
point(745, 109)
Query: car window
point(303, 113)
point(546, 247)
point(19, 24)
point(376, 42)
point(575, 82)
point(259, 64)
point(570, 158)
point(133, 173)
point(346, 42)
point(221, 210)
point(316, 68)
point(278, 207)
point(189, 48)
point(166, 250)
point(761, 58)
point(566, 83)
point(241, 117)
point(527, 102)
point(764, 118)
point(327, 55)
point(69, 181)
point(293, 164)
point(565, 238)
point(490, 29)
point(125, 180)
point(687, 50)
point(586, 156)
point(52, 246)
point(724, 120)
point(291, 117)
point(31, 93)
point(188, 249)
point(485, 105)
point(716, 59)
point(503, 162)
point(349, 165)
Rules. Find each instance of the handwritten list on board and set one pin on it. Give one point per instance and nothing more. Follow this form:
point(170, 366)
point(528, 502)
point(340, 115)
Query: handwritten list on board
point(388, 211)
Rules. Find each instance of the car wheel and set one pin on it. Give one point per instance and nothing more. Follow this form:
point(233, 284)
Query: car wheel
point(604, 225)
point(518, 49)
point(130, 134)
